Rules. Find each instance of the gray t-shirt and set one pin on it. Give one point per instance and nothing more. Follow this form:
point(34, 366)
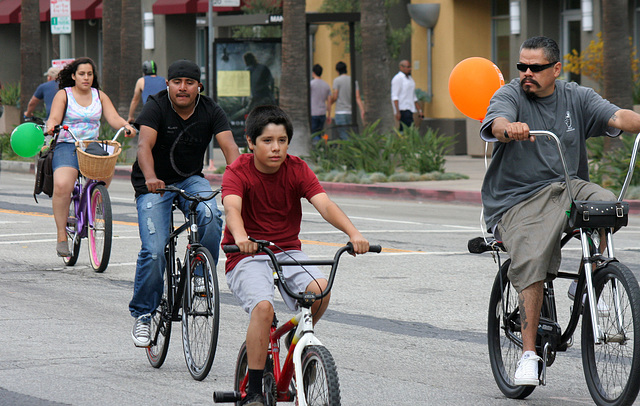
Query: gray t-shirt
point(320, 91)
point(343, 85)
point(520, 169)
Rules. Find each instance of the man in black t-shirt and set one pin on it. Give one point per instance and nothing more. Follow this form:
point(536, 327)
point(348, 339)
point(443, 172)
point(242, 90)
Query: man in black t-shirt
point(176, 126)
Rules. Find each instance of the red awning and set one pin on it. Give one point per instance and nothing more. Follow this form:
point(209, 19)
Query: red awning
point(84, 9)
point(45, 14)
point(175, 7)
point(10, 11)
point(203, 6)
point(98, 11)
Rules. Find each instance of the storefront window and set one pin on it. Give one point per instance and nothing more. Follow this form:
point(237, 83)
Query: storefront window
point(500, 33)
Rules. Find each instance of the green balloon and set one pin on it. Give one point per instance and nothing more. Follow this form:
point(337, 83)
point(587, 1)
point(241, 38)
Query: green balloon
point(27, 139)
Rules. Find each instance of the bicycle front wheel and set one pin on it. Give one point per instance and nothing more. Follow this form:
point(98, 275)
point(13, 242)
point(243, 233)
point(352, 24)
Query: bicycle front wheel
point(200, 315)
point(612, 367)
point(161, 324)
point(320, 377)
point(100, 230)
point(504, 335)
point(72, 231)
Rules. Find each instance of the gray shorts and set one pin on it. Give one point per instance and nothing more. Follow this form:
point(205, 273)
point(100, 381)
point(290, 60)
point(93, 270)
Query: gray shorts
point(251, 281)
point(532, 230)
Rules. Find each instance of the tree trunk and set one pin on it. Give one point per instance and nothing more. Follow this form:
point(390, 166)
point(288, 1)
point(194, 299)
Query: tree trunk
point(376, 81)
point(30, 62)
point(294, 88)
point(110, 80)
point(616, 52)
point(130, 51)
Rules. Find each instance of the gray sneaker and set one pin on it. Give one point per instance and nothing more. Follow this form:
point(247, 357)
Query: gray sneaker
point(198, 285)
point(62, 248)
point(141, 332)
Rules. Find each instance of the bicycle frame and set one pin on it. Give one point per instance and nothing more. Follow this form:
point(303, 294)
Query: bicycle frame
point(81, 198)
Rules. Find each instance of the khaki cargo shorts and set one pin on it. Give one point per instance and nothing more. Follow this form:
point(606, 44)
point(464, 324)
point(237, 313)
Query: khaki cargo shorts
point(531, 231)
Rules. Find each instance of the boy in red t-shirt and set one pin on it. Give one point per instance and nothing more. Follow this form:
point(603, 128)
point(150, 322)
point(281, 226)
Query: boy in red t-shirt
point(261, 195)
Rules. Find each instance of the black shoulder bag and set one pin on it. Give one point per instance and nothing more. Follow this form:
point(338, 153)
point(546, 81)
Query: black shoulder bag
point(44, 167)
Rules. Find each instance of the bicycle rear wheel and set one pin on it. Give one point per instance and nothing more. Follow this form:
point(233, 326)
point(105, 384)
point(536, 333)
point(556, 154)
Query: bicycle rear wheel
point(268, 379)
point(612, 368)
point(320, 377)
point(100, 230)
point(72, 230)
point(200, 315)
point(504, 336)
point(161, 324)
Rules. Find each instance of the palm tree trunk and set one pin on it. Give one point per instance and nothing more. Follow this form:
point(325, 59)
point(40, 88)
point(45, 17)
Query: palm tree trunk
point(294, 89)
point(130, 51)
point(376, 82)
point(110, 80)
point(30, 62)
point(616, 54)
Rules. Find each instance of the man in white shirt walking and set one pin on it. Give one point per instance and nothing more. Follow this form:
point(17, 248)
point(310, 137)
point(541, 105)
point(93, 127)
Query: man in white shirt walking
point(403, 95)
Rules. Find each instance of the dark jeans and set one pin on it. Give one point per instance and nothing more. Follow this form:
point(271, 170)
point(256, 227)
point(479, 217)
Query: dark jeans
point(406, 118)
point(317, 124)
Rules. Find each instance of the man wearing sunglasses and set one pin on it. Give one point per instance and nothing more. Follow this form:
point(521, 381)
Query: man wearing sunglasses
point(523, 190)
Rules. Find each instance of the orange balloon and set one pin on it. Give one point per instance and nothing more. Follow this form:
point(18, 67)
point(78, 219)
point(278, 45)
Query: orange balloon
point(472, 83)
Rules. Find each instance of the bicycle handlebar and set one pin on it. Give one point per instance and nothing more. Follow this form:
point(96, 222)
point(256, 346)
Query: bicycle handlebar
point(632, 163)
point(183, 194)
point(305, 298)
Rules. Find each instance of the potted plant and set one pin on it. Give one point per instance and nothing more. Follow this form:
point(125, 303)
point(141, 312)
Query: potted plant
point(10, 96)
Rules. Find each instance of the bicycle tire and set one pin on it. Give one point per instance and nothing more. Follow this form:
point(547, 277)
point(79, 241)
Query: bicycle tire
point(320, 377)
point(72, 230)
point(268, 378)
point(201, 316)
point(505, 351)
point(612, 368)
point(161, 324)
point(100, 229)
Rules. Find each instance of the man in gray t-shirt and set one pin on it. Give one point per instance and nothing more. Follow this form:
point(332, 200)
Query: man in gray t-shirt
point(320, 102)
point(523, 190)
point(342, 98)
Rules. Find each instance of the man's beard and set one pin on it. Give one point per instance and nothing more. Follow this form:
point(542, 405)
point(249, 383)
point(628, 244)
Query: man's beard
point(529, 90)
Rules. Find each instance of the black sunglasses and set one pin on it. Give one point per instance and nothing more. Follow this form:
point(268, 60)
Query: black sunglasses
point(522, 67)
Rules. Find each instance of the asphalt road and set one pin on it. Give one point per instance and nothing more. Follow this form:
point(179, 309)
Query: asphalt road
point(406, 327)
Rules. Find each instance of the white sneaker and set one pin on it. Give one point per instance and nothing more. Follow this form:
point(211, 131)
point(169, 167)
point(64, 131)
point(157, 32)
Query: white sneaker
point(527, 372)
point(198, 285)
point(141, 332)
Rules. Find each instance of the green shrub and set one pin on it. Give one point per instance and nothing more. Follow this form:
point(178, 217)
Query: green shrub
point(10, 94)
point(609, 169)
point(423, 153)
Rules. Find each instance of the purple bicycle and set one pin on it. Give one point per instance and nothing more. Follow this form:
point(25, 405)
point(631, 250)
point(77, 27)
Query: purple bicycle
point(90, 213)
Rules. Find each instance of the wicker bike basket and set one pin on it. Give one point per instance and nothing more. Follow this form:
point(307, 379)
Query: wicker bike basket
point(94, 166)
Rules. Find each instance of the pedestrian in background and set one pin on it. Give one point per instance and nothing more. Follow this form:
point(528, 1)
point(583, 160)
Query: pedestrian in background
point(320, 102)
point(403, 95)
point(342, 98)
point(45, 91)
point(147, 85)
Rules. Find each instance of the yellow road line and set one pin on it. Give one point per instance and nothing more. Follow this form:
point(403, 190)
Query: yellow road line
point(129, 223)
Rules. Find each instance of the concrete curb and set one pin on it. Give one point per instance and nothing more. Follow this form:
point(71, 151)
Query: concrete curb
point(333, 188)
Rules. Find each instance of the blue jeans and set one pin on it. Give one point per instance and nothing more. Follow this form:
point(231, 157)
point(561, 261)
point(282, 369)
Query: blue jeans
point(406, 118)
point(343, 124)
point(154, 226)
point(317, 124)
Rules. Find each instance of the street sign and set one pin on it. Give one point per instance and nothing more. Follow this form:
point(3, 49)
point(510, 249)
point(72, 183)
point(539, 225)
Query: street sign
point(226, 3)
point(60, 16)
point(60, 63)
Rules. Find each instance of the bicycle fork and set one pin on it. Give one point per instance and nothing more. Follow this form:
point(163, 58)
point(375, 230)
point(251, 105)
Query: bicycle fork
point(305, 327)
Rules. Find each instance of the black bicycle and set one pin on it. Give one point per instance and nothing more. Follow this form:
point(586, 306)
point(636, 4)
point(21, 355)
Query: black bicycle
point(190, 295)
point(607, 296)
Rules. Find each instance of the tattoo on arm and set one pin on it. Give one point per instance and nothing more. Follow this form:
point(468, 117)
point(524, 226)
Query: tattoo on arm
point(523, 314)
point(614, 117)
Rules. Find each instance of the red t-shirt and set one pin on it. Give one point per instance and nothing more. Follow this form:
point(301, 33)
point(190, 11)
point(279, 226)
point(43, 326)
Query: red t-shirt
point(271, 208)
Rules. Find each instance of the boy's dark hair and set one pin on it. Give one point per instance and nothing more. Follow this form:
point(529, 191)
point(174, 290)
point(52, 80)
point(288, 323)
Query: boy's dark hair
point(317, 69)
point(261, 116)
point(341, 67)
point(548, 45)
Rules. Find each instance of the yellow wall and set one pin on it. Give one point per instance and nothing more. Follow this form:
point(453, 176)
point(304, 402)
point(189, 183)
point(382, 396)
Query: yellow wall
point(463, 30)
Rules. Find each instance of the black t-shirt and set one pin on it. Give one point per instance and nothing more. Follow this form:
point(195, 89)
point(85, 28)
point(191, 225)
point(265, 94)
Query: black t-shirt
point(181, 144)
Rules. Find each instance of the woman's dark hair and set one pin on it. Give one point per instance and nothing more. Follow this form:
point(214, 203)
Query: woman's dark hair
point(341, 67)
point(262, 116)
point(66, 80)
